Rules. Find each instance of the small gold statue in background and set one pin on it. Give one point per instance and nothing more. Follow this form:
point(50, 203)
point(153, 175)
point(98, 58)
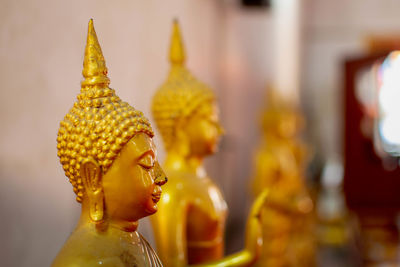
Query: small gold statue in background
point(189, 226)
point(105, 147)
point(280, 166)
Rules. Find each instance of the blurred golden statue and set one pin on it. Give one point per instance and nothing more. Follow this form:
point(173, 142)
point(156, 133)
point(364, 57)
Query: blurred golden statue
point(105, 147)
point(189, 227)
point(279, 166)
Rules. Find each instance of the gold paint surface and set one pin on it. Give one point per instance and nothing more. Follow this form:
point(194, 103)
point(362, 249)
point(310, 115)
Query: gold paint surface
point(105, 147)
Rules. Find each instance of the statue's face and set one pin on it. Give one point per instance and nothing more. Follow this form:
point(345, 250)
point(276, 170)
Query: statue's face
point(132, 185)
point(287, 127)
point(204, 130)
point(289, 123)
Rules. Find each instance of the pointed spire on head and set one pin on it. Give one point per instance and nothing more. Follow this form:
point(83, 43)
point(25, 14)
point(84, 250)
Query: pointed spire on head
point(177, 51)
point(94, 66)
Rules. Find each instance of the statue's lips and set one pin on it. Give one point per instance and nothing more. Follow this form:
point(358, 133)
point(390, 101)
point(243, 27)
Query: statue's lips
point(156, 197)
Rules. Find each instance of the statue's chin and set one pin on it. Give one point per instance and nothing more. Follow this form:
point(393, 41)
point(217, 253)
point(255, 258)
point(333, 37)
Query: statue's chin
point(151, 209)
point(213, 148)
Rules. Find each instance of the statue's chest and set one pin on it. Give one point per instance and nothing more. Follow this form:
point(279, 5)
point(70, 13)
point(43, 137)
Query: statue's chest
point(206, 214)
point(138, 253)
point(286, 162)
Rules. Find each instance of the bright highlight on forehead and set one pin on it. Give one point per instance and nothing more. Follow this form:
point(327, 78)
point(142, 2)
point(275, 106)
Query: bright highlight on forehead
point(140, 144)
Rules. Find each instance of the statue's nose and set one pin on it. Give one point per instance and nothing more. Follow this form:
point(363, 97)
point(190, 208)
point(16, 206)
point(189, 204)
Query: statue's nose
point(160, 178)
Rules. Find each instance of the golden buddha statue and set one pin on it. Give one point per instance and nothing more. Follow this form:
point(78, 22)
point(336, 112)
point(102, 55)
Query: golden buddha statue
point(105, 147)
point(279, 166)
point(189, 227)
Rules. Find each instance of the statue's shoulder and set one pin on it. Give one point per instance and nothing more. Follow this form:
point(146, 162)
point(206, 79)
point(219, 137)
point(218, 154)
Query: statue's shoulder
point(266, 157)
point(85, 249)
point(265, 151)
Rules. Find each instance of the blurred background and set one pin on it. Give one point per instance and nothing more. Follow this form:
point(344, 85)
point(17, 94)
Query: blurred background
point(316, 53)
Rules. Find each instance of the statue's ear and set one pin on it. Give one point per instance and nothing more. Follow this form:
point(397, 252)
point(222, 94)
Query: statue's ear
point(91, 175)
point(181, 135)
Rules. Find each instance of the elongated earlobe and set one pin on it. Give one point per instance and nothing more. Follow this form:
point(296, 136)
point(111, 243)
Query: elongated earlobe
point(97, 207)
point(91, 177)
point(182, 142)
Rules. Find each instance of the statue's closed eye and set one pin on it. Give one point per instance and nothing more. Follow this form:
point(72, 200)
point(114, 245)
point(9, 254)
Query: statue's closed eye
point(147, 161)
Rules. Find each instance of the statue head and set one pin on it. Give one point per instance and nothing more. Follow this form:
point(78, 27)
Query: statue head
point(105, 147)
point(281, 117)
point(185, 109)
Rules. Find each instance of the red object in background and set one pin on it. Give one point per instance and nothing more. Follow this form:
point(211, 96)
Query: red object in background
point(368, 187)
point(256, 3)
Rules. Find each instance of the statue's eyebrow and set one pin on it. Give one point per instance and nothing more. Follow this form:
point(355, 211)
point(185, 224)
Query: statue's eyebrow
point(148, 152)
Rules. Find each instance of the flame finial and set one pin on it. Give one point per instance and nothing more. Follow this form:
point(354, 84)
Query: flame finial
point(177, 51)
point(94, 65)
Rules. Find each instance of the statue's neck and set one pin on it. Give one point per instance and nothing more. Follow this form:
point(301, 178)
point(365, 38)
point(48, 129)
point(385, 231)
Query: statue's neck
point(107, 224)
point(271, 137)
point(178, 162)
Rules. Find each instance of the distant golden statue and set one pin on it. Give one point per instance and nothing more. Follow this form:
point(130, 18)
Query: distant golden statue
point(105, 147)
point(189, 227)
point(279, 167)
